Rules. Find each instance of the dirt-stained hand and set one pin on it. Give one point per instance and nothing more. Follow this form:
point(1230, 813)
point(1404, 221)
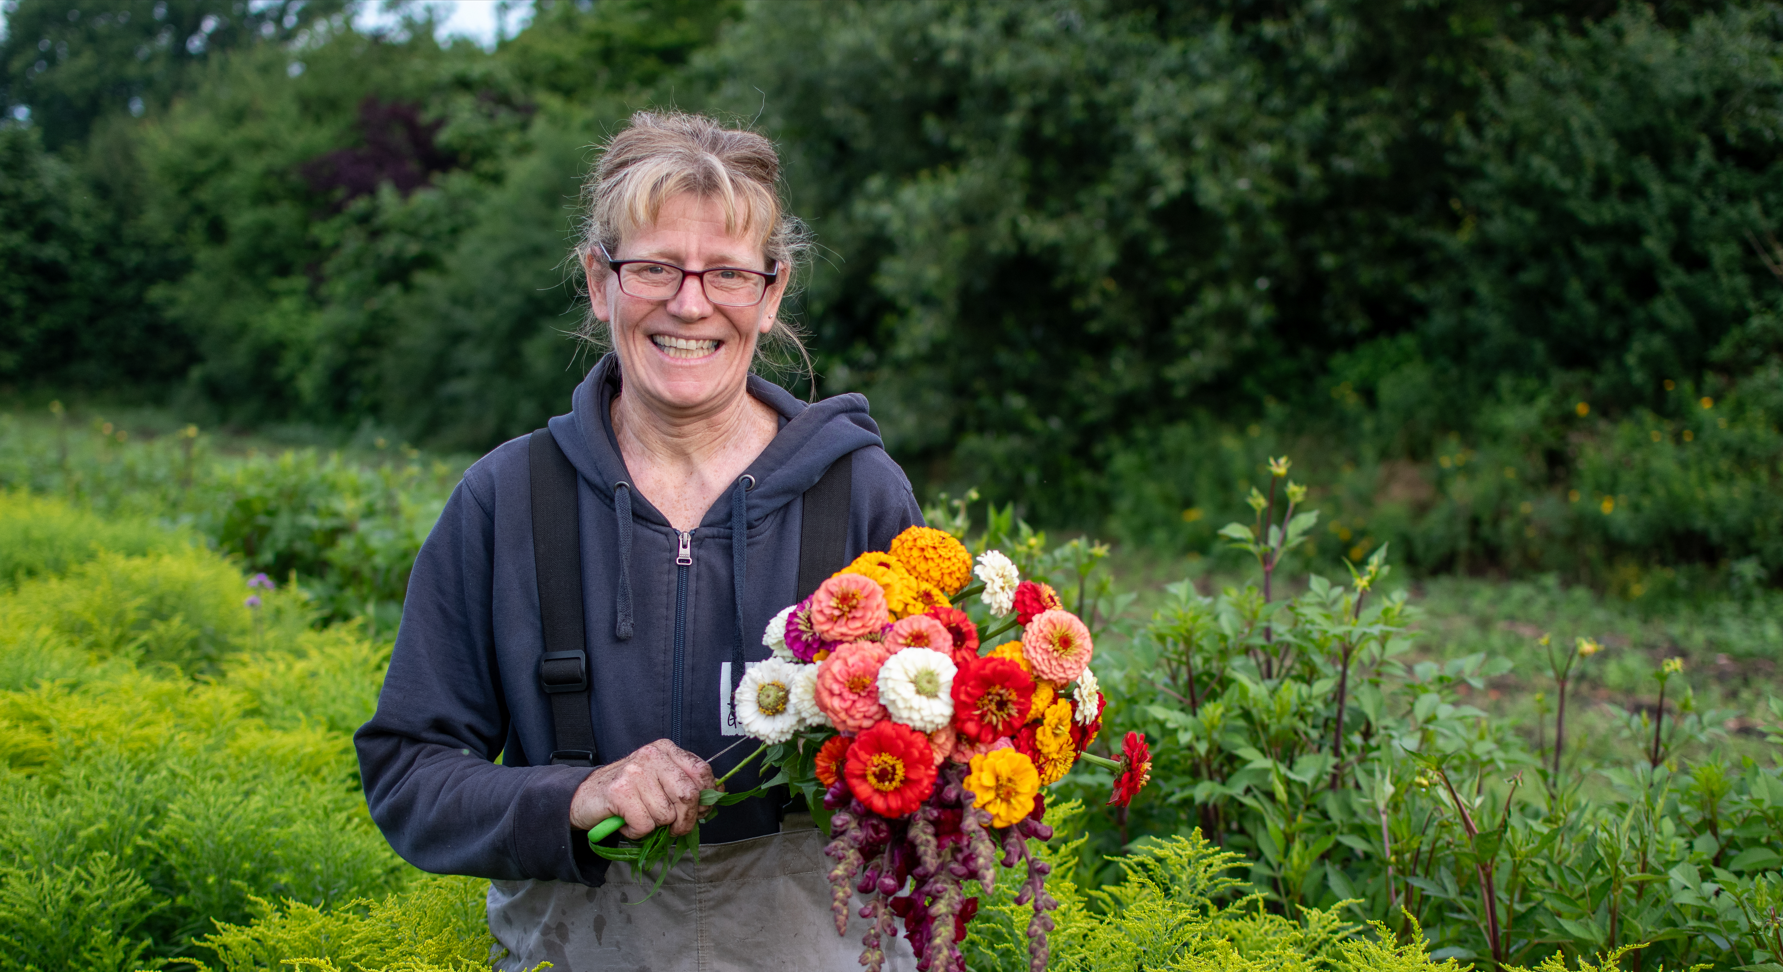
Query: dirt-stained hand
point(658, 785)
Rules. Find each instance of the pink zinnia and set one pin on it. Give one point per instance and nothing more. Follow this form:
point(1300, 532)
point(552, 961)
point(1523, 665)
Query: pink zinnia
point(965, 749)
point(920, 631)
point(848, 685)
point(943, 741)
point(801, 638)
point(1058, 646)
point(847, 607)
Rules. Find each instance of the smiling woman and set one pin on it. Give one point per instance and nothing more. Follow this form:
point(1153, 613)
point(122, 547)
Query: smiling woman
point(690, 477)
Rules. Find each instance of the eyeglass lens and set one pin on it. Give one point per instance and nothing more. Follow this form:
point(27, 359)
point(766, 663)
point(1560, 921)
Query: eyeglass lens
point(659, 281)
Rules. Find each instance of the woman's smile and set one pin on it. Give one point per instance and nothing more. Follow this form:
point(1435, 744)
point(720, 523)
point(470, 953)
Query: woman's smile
point(686, 349)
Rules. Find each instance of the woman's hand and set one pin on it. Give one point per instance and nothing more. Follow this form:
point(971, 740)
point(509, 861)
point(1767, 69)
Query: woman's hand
point(658, 785)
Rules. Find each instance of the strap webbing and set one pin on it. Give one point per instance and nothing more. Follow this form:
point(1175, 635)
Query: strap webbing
point(557, 566)
point(823, 529)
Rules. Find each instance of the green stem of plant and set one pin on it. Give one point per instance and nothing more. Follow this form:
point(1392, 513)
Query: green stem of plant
point(606, 827)
point(968, 592)
point(1102, 761)
point(998, 631)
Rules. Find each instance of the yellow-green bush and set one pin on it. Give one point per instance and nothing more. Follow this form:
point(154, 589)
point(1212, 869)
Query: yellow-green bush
point(41, 536)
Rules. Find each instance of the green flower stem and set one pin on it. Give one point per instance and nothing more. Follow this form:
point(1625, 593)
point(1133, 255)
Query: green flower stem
point(1102, 761)
point(998, 631)
point(968, 592)
point(606, 827)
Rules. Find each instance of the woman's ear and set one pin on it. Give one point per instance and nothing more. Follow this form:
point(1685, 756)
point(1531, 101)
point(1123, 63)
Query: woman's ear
point(597, 282)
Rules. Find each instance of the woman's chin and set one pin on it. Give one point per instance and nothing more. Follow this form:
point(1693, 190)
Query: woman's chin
point(683, 384)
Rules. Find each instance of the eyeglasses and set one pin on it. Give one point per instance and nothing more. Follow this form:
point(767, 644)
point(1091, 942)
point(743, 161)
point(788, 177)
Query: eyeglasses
point(725, 286)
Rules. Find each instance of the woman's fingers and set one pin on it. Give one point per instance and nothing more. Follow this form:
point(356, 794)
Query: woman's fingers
point(696, 768)
point(657, 786)
point(640, 797)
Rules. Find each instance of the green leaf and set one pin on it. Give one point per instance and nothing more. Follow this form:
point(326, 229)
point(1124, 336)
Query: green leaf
point(1237, 531)
point(1755, 859)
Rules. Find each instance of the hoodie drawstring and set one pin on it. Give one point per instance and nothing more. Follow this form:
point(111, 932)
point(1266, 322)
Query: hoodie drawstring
point(739, 565)
point(622, 622)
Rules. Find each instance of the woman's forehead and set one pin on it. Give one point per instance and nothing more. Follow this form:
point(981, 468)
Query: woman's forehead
point(686, 226)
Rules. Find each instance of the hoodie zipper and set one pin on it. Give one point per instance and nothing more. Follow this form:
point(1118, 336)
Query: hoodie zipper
point(683, 564)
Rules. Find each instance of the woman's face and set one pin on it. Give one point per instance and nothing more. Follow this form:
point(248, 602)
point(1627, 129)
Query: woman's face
point(685, 355)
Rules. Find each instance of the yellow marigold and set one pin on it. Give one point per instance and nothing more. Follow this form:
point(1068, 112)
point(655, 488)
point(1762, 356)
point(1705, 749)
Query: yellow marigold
point(1054, 734)
point(934, 556)
point(1053, 768)
point(882, 569)
point(908, 596)
point(1004, 783)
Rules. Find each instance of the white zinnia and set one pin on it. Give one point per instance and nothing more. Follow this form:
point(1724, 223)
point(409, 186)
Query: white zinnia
point(916, 688)
point(1085, 696)
point(1000, 577)
point(764, 700)
point(774, 638)
point(804, 697)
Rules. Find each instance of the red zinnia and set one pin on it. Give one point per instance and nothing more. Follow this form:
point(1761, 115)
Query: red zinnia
point(1032, 599)
point(1082, 735)
point(965, 633)
point(991, 697)
point(890, 768)
point(1136, 770)
point(829, 759)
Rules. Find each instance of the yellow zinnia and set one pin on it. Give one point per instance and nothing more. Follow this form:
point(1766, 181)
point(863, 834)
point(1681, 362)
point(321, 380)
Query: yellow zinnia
point(933, 556)
point(1003, 782)
point(1053, 739)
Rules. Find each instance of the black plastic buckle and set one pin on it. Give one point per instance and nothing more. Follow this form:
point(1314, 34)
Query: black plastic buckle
point(555, 678)
point(572, 757)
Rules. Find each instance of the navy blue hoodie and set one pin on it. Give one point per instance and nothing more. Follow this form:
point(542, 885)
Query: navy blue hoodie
point(463, 689)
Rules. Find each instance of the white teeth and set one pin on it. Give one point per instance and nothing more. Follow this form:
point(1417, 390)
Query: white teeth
point(676, 347)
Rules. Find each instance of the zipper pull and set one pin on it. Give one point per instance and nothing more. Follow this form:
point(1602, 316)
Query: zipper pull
point(684, 553)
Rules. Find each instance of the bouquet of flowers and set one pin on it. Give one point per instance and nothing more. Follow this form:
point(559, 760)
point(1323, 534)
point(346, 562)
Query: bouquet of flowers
point(924, 744)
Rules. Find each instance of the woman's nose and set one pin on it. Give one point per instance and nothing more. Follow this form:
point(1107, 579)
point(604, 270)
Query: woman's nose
point(690, 303)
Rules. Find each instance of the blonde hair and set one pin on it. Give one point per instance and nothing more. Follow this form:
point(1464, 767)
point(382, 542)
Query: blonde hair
point(661, 155)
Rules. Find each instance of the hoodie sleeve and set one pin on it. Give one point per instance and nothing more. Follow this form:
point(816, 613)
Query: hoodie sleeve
point(881, 502)
point(426, 756)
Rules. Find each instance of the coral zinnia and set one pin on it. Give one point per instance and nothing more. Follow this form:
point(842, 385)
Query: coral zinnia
point(890, 768)
point(848, 685)
point(1058, 645)
point(943, 740)
point(1032, 599)
point(846, 607)
point(991, 698)
point(1004, 783)
point(829, 759)
point(920, 631)
point(1136, 770)
point(934, 556)
point(961, 629)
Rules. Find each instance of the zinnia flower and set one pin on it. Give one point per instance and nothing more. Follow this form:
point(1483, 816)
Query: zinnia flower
point(1089, 691)
point(961, 629)
point(933, 556)
point(1032, 599)
point(764, 700)
point(908, 596)
point(804, 698)
point(1084, 732)
point(802, 639)
point(1000, 577)
point(1053, 740)
point(1136, 770)
point(964, 749)
point(943, 741)
point(774, 638)
point(916, 686)
point(1058, 645)
point(920, 631)
point(1003, 783)
point(890, 768)
point(1044, 691)
point(991, 697)
point(848, 685)
point(846, 607)
point(829, 759)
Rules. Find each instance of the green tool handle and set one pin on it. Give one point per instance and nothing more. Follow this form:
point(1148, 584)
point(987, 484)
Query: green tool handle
point(605, 828)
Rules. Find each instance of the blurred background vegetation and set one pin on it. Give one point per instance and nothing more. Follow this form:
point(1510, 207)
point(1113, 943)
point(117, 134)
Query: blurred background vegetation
point(1503, 277)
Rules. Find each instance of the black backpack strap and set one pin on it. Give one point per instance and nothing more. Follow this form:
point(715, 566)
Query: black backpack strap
point(823, 530)
point(557, 563)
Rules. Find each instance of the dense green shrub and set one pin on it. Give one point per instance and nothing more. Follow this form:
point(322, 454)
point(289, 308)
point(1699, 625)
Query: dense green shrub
point(40, 536)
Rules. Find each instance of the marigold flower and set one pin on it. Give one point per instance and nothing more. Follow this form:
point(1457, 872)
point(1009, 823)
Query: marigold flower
point(919, 631)
point(991, 698)
point(890, 768)
point(848, 685)
point(1000, 577)
point(764, 700)
point(1058, 645)
point(961, 629)
point(1003, 783)
point(829, 759)
point(1136, 770)
point(847, 606)
point(933, 556)
point(910, 596)
point(1032, 599)
point(916, 687)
